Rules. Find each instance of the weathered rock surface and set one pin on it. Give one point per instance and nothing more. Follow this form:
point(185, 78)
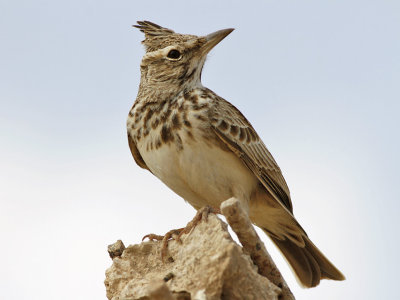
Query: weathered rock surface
point(207, 265)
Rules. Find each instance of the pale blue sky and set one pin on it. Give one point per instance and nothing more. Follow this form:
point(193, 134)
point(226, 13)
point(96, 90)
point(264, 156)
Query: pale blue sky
point(318, 80)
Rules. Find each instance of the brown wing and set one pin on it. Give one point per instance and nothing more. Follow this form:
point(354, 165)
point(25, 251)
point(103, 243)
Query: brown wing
point(136, 155)
point(237, 133)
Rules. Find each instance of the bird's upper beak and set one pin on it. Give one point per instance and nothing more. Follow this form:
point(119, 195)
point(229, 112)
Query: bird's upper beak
point(214, 38)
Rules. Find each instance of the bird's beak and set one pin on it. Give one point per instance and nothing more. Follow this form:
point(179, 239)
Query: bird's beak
point(214, 38)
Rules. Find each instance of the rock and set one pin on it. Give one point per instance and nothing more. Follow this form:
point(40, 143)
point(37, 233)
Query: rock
point(207, 265)
point(116, 249)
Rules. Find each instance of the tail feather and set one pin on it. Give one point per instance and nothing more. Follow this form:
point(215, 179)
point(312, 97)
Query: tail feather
point(308, 263)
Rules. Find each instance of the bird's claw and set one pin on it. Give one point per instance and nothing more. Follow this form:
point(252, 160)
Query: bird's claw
point(153, 237)
point(173, 234)
point(176, 234)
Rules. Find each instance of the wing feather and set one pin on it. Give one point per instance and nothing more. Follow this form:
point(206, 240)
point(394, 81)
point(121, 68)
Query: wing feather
point(247, 145)
point(135, 153)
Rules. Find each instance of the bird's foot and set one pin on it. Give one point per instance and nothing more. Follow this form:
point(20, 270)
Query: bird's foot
point(202, 214)
point(175, 234)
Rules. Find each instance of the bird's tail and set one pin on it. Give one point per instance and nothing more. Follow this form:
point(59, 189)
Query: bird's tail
point(307, 262)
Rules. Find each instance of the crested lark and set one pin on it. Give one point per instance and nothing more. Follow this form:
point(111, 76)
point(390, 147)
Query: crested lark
point(206, 151)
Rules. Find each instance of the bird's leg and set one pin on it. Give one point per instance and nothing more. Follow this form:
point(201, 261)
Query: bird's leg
point(175, 234)
point(201, 214)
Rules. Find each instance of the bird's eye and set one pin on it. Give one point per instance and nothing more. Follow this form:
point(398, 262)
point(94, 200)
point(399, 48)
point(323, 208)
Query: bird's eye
point(174, 54)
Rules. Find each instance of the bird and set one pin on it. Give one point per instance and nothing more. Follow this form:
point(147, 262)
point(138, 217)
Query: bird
point(205, 150)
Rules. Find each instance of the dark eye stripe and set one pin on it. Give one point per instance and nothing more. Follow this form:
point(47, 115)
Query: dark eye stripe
point(174, 54)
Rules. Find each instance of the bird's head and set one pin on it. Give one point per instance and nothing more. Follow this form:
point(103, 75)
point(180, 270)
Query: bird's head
point(174, 60)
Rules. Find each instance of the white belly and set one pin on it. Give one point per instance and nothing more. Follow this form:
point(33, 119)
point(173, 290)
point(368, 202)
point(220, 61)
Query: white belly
point(201, 174)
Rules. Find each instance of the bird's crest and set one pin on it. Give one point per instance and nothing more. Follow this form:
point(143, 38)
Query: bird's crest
point(158, 37)
point(150, 29)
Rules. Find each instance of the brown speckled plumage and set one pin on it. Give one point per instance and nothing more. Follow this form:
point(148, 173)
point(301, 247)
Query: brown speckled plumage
point(204, 149)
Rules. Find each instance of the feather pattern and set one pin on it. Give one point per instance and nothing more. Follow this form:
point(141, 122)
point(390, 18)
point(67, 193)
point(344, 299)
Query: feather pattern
point(236, 132)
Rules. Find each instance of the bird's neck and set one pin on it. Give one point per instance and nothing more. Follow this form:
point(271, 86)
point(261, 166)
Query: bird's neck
point(156, 91)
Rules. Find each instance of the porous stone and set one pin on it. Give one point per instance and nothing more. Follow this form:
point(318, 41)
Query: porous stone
point(207, 265)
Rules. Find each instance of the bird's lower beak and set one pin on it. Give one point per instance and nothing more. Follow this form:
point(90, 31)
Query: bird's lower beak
point(214, 38)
